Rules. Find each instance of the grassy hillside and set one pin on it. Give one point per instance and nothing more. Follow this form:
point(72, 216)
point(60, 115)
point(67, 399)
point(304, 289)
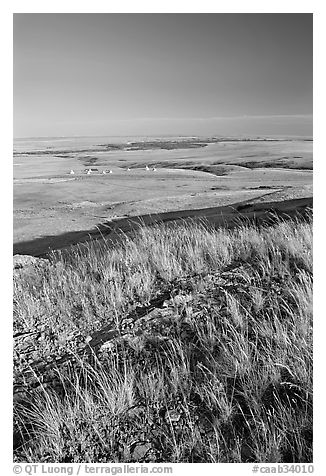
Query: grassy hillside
point(183, 344)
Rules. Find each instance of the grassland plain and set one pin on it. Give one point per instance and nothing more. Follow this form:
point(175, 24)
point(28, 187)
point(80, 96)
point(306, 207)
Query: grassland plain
point(191, 173)
point(183, 343)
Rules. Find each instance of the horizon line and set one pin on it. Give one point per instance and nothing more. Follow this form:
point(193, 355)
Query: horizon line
point(195, 136)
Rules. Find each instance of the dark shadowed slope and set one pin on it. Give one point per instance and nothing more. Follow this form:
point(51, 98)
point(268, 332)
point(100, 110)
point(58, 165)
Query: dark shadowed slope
point(227, 216)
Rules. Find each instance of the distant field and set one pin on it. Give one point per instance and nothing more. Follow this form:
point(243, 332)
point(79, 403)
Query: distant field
point(190, 174)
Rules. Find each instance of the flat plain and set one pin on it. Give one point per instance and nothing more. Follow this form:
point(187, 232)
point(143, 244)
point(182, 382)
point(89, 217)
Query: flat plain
point(53, 208)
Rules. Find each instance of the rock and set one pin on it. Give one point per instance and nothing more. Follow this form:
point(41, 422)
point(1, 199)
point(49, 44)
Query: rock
point(140, 450)
point(23, 261)
point(23, 265)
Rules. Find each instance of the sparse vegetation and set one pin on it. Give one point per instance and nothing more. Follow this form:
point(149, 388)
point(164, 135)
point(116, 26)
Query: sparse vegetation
point(221, 371)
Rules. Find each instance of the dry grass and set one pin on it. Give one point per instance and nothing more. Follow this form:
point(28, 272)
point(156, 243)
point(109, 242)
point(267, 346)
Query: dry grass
point(225, 375)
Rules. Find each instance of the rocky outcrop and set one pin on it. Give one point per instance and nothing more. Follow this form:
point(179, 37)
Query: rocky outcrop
point(155, 318)
point(26, 263)
point(23, 261)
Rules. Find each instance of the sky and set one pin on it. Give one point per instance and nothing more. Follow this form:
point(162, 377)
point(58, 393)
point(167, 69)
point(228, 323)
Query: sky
point(162, 74)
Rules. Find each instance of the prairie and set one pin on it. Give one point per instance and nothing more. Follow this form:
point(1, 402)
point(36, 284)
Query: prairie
point(170, 316)
point(190, 174)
